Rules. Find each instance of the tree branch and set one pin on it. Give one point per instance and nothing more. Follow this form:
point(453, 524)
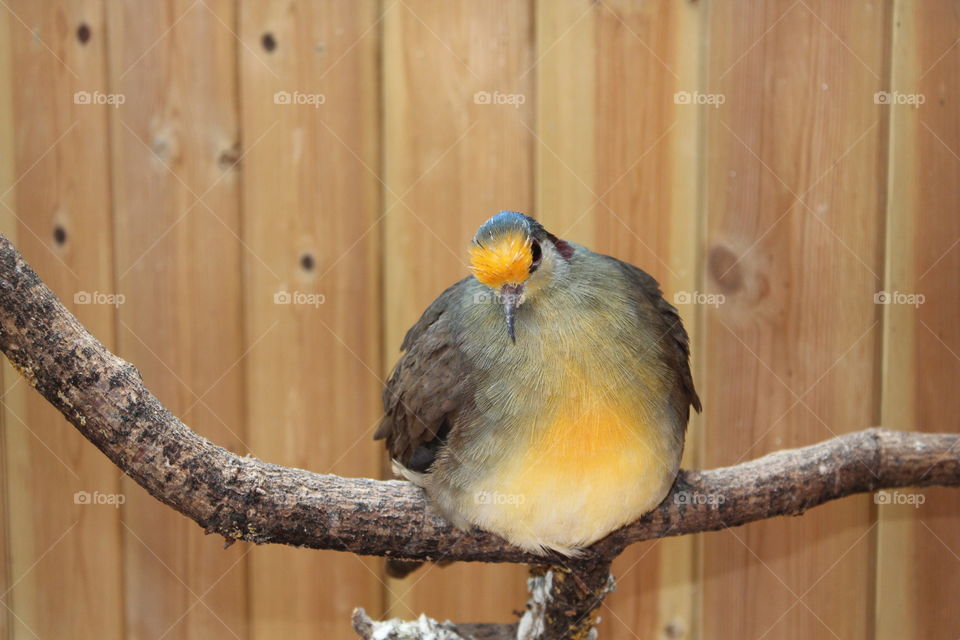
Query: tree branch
point(242, 498)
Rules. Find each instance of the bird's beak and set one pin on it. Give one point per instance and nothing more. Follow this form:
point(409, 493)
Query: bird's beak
point(510, 296)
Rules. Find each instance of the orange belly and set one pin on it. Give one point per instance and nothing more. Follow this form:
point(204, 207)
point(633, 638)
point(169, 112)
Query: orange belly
point(586, 472)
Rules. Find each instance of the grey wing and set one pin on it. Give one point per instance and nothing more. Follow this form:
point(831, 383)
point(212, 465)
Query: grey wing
point(677, 353)
point(427, 389)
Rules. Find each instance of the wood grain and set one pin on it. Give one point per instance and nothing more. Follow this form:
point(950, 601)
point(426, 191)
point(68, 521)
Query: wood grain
point(301, 212)
point(618, 171)
point(647, 170)
point(451, 161)
point(311, 199)
point(796, 179)
point(566, 72)
point(65, 557)
point(177, 226)
point(242, 498)
point(918, 546)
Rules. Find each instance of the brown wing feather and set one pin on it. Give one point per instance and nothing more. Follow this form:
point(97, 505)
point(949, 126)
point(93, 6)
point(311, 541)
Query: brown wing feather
point(427, 388)
point(678, 353)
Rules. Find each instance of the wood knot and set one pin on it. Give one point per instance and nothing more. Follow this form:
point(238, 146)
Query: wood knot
point(725, 269)
point(307, 261)
point(229, 158)
point(163, 148)
point(59, 235)
point(744, 275)
point(268, 42)
point(673, 630)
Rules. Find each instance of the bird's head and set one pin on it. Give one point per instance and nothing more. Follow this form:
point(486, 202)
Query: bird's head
point(516, 257)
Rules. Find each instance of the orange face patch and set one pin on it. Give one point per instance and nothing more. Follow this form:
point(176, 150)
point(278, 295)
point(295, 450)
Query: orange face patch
point(505, 260)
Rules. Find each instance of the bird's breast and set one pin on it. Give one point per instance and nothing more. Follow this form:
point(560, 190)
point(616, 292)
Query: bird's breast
point(574, 477)
point(569, 438)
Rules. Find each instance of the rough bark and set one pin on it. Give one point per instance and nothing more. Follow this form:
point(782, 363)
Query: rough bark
point(563, 604)
point(424, 627)
point(243, 498)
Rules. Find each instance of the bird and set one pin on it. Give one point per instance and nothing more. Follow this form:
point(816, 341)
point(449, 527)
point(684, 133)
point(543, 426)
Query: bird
point(543, 398)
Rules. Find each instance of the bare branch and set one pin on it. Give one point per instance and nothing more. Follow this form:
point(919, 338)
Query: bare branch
point(242, 498)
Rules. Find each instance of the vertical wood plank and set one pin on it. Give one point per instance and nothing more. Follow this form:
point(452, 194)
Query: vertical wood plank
point(176, 194)
point(918, 546)
point(567, 95)
point(311, 200)
point(796, 188)
point(65, 558)
point(453, 157)
point(648, 171)
point(618, 171)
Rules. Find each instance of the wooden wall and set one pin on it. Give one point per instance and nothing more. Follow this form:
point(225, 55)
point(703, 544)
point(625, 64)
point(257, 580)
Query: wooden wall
point(767, 159)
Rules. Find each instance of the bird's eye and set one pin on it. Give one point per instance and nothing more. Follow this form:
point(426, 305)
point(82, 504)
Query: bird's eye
point(537, 254)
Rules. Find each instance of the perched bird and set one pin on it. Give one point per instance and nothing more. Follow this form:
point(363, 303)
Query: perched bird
point(544, 398)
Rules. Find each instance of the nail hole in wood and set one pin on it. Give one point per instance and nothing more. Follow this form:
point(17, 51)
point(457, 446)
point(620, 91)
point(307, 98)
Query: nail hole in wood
point(229, 158)
point(59, 235)
point(83, 33)
point(307, 262)
point(268, 41)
